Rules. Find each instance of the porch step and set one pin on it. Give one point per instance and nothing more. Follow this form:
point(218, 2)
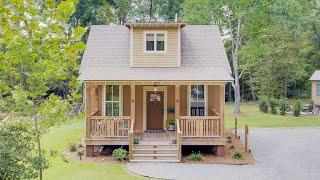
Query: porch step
point(155, 153)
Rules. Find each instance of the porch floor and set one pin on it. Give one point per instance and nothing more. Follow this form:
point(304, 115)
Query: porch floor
point(152, 137)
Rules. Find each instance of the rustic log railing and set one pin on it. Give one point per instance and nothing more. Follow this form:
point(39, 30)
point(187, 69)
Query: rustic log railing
point(200, 126)
point(178, 135)
point(110, 126)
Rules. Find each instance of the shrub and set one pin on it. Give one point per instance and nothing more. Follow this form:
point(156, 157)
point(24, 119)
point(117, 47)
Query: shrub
point(196, 156)
point(120, 154)
point(263, 105)
point(229, 139)
point(273, 106)
point(237, 155)
point(297, 108)
point(80, 153)
point(72, 146)
point(283, 106)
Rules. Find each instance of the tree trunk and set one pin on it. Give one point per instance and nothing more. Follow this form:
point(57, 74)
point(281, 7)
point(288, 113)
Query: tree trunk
point(253, 93)
point(39, 144)
point(235, 69)
point(150, 11)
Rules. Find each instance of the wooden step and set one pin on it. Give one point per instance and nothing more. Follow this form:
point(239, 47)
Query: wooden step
point(152, 155)
point(155, 160)
point(155, 151)
point(156, 157)
point(153, 146)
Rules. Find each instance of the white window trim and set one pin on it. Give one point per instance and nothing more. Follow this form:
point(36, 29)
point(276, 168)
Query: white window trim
point(155, 41)
point(205, 99)
point(120, 100)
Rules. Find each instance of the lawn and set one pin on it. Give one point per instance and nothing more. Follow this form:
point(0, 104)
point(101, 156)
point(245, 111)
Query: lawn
point(58, 138)
point(254, 118)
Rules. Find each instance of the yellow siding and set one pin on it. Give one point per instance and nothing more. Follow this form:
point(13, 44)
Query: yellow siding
point(170, 58)
point(315, 98)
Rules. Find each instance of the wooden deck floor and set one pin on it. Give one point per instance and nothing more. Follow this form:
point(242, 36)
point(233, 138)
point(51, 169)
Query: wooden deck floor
point(155, 136)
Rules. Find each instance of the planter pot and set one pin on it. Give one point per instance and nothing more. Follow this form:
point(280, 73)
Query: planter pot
point(171, 127)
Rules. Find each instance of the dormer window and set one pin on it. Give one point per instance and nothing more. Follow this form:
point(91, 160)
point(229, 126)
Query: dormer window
point(155, 41)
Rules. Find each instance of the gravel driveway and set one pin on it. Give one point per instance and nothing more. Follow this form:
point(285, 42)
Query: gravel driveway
point(280, 153)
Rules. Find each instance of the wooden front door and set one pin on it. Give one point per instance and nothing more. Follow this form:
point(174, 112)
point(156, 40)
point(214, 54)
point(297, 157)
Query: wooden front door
point(155, 110)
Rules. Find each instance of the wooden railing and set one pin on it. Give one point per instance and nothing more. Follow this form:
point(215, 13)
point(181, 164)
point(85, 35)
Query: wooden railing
point(200, 126)
point(131, 135)
point(178, 136)
point(110, 126)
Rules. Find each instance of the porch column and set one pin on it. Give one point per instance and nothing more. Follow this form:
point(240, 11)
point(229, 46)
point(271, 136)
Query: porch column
point(177, 101)
point(133, 101)
point(222, 105)
point(88, 108)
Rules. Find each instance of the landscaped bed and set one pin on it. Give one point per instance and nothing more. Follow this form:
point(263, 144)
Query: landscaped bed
point(235, 153)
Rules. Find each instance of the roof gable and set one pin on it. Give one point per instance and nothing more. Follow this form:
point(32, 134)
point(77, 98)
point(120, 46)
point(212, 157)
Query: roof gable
point(107, 56)
point(315, 76)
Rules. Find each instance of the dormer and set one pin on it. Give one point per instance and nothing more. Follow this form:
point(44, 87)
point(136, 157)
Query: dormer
point(155, 44)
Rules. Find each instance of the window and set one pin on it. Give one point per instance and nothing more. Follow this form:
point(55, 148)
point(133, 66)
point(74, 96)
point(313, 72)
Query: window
point(197, 100)
point(155, 42)
point(318, 89)
point(112, 100)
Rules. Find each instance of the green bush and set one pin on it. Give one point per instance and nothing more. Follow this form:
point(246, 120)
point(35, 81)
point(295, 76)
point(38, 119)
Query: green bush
point(120, 154)
point(72, 146)
point(273, 106)
point(283, 106)
point(80, 153)
point(263, 104)
point(297, 108)
point(237, 155)
point(196, 156)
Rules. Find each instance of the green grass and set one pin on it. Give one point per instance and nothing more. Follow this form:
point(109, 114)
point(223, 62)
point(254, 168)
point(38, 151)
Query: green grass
point(254, 118)
point(58, 138)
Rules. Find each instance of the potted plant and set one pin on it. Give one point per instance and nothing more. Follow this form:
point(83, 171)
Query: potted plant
point(171, 125)
point(135, 141)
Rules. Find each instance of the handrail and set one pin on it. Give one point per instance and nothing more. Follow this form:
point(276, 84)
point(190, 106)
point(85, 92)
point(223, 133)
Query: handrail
point(110, 117)
point(130, 140)
point(109, 127)
point(199, 117)
point(179, 134)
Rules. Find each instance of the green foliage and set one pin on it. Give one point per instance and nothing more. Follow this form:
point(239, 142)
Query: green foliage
point(283, 106)
point(263, 104)
point(273, 106)
point(80, 153)
point(120, 154)
point(72, 146)
point(170, 122)
point(297, 108)
point(196, 156)
point(54, 110)
point(17, 147)
point(237, 155)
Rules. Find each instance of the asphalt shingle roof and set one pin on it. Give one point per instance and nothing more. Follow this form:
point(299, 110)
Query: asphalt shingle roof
point(315, 76)
point(107, 56)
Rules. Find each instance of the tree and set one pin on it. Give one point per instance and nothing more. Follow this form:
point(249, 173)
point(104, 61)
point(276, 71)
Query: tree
point(18, 159)
point(39, 50)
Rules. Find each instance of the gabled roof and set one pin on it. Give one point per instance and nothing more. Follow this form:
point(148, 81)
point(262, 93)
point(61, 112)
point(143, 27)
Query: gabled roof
point(315, 76)
point(107, 56)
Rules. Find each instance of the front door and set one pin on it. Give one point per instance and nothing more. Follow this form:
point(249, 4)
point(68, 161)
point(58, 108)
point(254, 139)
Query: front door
point(155, 110)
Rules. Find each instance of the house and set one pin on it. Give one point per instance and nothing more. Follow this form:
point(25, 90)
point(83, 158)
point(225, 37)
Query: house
point(315, 92)
point(139, 75)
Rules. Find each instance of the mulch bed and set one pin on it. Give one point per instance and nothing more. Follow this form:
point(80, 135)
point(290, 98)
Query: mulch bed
point(236, 145)
point(231, 148)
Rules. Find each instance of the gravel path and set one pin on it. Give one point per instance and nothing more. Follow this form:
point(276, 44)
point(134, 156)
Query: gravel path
point(280, 153)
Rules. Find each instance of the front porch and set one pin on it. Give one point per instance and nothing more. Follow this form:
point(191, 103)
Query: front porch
point(144, 108)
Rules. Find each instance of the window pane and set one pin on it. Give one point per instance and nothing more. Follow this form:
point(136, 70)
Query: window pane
point(109, 109)
point(108, 93)
point(318, 89)
point(115, 109)
point(201, 93)
point(194, 92)
point(116, 93)
point(150, 42)
point(160, 42)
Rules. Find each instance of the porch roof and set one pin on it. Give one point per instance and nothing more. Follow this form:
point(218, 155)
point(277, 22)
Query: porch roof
point(107, 57)
point(315, 76)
